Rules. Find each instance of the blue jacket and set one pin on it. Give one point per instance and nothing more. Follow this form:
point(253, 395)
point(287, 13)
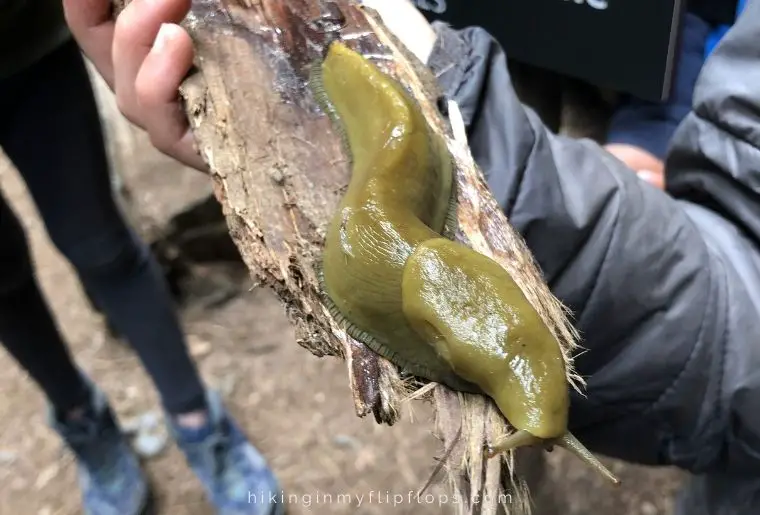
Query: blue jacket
point(716, 35)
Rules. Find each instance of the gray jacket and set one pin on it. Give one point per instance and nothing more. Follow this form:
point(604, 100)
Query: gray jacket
point(665, 287)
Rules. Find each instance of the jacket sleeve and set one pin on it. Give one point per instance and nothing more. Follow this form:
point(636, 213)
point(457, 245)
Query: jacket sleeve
point(662, 287)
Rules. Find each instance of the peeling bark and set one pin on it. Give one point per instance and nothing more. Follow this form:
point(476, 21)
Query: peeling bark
point(278, 171)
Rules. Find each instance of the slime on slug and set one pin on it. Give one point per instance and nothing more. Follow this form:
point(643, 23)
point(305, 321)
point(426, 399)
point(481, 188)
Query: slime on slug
point(396, 280)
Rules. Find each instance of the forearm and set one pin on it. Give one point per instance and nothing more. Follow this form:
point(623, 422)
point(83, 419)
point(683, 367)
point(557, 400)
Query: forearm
point(648, 293)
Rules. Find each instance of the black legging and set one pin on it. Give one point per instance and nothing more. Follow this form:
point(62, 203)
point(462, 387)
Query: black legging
point(50, 129)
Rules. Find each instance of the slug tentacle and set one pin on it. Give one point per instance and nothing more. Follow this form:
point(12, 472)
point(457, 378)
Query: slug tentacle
point(572, 444)
point(567, 441)
point(520, 438)
point(395, 279)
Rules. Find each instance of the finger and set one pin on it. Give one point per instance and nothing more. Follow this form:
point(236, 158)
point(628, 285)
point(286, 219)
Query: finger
point(92, 26)
point(156, 91)
point(134, 34)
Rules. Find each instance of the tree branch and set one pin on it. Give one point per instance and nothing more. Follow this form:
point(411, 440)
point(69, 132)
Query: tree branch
point(278, 171)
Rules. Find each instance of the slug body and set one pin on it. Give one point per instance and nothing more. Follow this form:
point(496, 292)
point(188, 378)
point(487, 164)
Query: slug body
point(401, 194)
point(472, 311)
point(396, 280)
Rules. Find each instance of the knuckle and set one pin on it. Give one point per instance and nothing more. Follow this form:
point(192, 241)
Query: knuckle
point(159, 140)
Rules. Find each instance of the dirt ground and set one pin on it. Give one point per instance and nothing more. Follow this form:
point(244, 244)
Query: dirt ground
point(296, 407)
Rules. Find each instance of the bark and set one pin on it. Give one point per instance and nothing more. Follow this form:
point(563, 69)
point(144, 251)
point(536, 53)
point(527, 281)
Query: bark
point(278, 171)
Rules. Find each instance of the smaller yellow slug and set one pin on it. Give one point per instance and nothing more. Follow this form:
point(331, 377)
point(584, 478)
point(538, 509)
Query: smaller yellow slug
point(395, 279)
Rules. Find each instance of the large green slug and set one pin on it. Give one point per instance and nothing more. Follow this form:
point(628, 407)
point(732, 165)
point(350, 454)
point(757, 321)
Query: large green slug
point(394, 277)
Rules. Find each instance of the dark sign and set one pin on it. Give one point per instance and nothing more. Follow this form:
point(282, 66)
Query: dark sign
point(624, 45)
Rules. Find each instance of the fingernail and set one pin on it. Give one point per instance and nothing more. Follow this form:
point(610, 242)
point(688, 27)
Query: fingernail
point(647, 175)
point(163, 37)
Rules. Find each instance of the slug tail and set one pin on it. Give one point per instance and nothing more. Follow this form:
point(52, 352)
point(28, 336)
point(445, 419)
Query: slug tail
point(512, 441)
point(572, 444)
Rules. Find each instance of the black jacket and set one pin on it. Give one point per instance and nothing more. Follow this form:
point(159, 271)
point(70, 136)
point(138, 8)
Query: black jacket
point(29, 30)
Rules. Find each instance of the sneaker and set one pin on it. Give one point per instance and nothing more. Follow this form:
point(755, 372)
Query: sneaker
point(236, 477)
point(109, 472)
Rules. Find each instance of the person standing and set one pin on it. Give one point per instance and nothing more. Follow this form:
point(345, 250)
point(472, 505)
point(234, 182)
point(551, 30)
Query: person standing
point(50, 130)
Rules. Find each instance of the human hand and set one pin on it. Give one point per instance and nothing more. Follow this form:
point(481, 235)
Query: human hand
point(647, 167)
point(143, 56)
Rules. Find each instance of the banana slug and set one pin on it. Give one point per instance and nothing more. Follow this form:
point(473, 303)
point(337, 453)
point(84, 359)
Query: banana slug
point(394, 278)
